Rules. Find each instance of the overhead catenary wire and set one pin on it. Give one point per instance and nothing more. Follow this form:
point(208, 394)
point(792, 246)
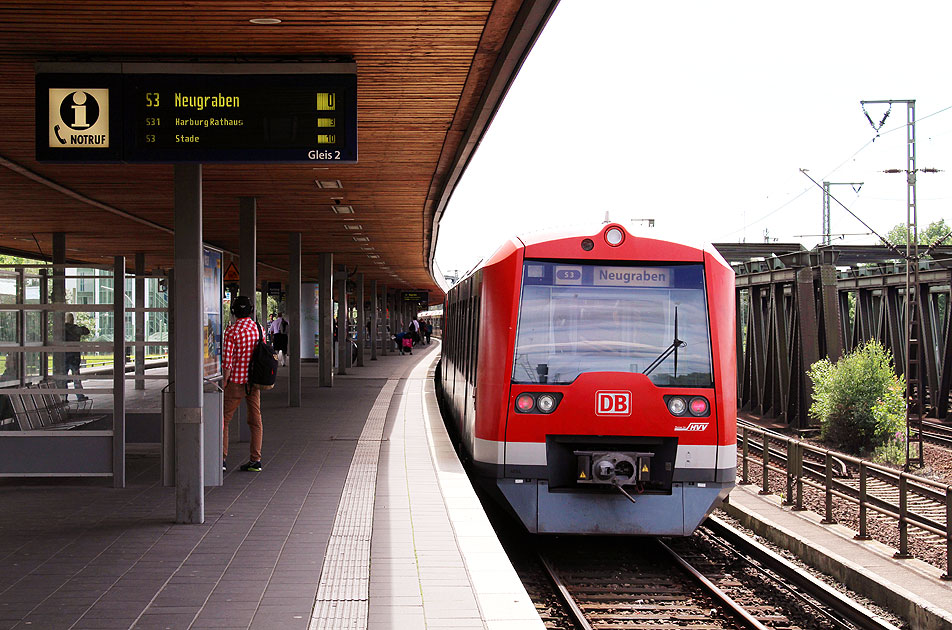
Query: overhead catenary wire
point(892, 247)
point(833, 170)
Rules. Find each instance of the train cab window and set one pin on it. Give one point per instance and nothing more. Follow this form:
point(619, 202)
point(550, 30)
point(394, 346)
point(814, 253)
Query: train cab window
point(578, 318)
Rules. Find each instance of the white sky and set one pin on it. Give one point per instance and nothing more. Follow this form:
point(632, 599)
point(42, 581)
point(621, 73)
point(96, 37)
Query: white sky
point(700, 115)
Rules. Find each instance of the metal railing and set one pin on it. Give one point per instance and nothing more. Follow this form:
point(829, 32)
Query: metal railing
point(831, 473)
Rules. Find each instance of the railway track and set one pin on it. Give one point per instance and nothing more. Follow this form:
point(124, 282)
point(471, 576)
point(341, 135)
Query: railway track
point(940, 434)
point(715, 580)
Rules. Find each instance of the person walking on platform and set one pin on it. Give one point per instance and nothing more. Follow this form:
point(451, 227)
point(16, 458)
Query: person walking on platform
point(239, 340)
point(427, 331)
point(74, 332)
point(279, 336)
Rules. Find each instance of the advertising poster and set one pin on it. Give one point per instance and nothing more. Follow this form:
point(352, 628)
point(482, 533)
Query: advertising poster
point(212, 300)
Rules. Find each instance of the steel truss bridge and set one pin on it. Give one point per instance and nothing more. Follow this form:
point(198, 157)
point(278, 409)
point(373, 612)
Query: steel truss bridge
point(796, 306)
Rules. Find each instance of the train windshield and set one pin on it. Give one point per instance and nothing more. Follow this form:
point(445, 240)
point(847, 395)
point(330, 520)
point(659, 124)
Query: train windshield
point(577, 318)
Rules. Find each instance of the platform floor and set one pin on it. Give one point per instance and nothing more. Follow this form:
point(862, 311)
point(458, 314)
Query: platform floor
point(362, 518)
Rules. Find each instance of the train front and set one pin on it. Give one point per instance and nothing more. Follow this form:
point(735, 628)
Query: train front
point(622, 397)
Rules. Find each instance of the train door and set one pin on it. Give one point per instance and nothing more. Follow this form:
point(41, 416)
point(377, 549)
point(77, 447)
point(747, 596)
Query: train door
point(472, 355)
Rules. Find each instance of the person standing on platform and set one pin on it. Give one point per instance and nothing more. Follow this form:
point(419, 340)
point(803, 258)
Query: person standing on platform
point(414, 330)
point(427, 331)
point(239, 341)
point(279, 336)
point(74, 332)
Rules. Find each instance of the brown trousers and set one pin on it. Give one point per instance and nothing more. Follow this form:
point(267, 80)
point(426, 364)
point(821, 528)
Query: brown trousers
point(234, 392)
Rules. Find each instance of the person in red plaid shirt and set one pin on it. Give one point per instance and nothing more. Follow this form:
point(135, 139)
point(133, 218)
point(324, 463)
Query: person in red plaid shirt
point(239, 340)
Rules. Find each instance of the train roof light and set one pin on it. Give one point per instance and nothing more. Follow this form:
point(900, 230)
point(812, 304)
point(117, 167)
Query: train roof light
point(614, 236)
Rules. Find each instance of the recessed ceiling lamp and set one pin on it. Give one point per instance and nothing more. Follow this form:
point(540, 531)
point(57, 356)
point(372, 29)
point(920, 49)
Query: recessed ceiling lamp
point(264, 21)
point(372, 256)
point(328, 183)
point(367, 248)
point(343, 209)
point(362, 239)
point(379, 262)
point(352, 226)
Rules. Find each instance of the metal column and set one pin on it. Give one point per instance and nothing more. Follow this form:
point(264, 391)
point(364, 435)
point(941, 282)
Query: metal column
point(140, 320)
point(325, 313)
point(343, 348)
point(374, 320)
point(188, 345)
point(294, 319)
point(361, 319)
point(247, 247)
point(385, 324)
point(119, 373)
point(59, 317)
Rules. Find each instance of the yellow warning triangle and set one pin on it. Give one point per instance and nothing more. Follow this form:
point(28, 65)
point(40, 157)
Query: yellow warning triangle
point(582, 475)
point(644, 468)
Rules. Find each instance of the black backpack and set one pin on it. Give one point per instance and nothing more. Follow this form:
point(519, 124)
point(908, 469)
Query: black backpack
point(264, 365)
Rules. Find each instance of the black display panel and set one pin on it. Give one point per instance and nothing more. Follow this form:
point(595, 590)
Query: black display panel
point(241, 113)
point(240, 118)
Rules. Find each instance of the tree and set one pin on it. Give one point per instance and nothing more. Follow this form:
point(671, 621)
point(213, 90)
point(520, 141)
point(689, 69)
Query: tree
point(935, 231)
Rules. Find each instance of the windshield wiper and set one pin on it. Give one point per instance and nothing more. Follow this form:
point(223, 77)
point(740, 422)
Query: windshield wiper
point(677, 343)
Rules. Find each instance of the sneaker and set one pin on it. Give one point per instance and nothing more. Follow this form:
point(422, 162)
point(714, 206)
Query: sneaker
point(224, 465)
point(252, 466)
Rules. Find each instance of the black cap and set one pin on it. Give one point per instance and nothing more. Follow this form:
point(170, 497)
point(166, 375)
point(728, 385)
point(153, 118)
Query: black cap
point(241, 306)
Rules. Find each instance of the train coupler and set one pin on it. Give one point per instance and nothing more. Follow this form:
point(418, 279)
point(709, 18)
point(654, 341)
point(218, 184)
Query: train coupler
point(613, 468)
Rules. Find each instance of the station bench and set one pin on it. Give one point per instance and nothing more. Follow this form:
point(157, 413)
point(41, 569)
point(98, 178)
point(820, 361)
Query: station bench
point(41, 411)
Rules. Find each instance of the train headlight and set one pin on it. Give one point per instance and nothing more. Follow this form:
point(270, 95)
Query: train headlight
point(525, 403)
point(546, 403)
point(677, 405)
point(698, 406)
point(614, 236)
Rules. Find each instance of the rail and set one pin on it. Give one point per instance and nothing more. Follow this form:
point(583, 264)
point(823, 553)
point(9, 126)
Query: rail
point(797, 460)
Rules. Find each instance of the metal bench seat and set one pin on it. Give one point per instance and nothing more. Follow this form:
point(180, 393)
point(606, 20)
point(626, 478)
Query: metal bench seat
point(43, 411)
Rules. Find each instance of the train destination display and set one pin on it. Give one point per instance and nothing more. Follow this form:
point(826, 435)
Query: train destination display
point(197, 117)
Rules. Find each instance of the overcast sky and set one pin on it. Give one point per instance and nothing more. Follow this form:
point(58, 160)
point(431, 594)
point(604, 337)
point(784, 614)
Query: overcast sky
point(699, 115)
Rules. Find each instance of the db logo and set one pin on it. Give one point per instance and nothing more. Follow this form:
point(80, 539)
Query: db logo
point(613, 403)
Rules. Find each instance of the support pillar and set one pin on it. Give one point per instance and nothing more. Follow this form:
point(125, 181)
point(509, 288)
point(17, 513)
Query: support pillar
point(187, 303)
point(385, 323)
point(294, 319)
point(119, 373)
point(140, 320)
point(247, 247)
point(343, 347)
point(59, 317)
point(325, 313)
point(361, 320)
point(374, 320)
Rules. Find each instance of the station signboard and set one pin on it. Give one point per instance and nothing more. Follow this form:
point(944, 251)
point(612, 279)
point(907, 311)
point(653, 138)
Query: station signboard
point(208, 113)
point(416, 297)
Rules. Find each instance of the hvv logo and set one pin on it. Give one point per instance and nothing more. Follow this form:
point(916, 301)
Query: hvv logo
point(613, 403)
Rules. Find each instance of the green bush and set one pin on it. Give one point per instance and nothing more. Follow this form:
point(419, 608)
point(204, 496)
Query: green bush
point(859, 401)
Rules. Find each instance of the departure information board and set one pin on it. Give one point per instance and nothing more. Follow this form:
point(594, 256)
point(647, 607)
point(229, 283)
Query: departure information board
point(218, 113)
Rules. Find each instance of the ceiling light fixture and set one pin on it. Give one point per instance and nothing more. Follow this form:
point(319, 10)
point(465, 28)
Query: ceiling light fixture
point(352, 226)
point(343, 209)
point(373, 256)
point(362, 239)
point(264, 21)
point(328, 183)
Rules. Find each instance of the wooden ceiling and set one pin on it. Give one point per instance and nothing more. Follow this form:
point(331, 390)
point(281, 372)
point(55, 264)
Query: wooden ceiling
point(430, 75)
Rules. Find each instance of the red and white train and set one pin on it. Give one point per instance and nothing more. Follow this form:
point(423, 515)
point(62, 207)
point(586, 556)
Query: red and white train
point(591, 380)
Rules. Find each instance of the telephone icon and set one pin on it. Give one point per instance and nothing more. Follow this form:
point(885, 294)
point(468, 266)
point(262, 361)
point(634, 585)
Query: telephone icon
point(58, 136)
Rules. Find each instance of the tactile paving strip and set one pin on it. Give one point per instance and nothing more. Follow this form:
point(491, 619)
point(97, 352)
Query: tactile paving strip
point(343, 595)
